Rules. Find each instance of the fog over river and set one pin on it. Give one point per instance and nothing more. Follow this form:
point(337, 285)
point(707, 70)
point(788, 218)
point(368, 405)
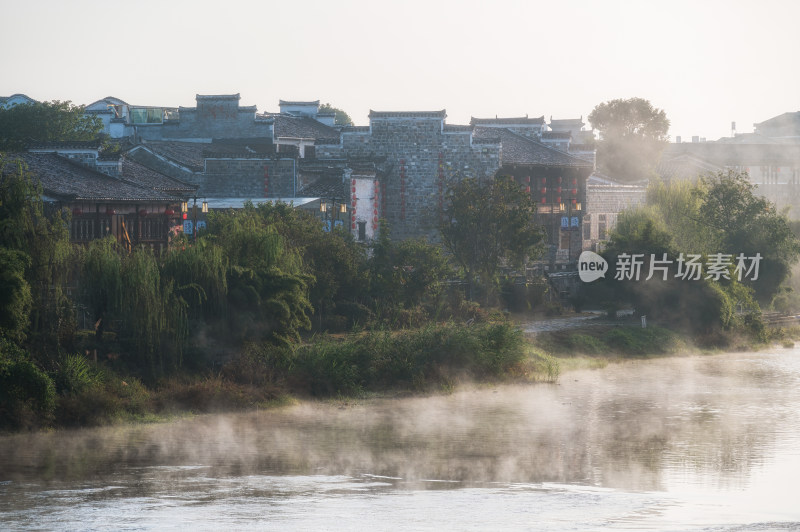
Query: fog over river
point(696, 443)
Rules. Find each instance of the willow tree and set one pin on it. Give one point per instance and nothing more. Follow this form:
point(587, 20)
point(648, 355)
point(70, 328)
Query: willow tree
point(44, 239)
point(199, 274)
point(267, 287)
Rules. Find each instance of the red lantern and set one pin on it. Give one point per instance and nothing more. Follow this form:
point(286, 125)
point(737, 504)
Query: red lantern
point(528, 179)
point(77, 211)
point(574, 191)
point(111, 212)
point(559, 180)
point(559, 190)
point(558, 199)
point(544, 201)
point(574, 182)
point(169, 212)
point(544, 190)
point(185, 216)
point(527, 190)
point(574, 202)
point(143, 213)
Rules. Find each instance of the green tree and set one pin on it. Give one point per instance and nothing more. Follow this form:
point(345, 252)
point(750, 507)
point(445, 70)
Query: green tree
point(341, 118)
point(46, 121)
point(15, 294)
point(25, 228)
point(408, 273)
point(487, 224)
point(267, 287)
point(632, 136)
point(335, 263)
point(698, 306)
point(740, 222)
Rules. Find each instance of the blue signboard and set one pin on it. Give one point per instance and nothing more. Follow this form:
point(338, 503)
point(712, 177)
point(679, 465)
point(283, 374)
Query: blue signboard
point(187, 227)
point(201, 225)
point(574, 222)
point(564, 222)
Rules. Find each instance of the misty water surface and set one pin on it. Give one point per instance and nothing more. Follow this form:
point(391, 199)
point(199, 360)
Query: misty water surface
point(709, 443)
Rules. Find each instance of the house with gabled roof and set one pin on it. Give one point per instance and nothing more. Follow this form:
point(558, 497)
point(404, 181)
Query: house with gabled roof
point(109, 195)
point(15, 99)
point(783, 128)
point(114, 114)
point(556, 180)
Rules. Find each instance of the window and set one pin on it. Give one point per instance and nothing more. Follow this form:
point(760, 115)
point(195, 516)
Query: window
point(362, 231)
point(147, 115)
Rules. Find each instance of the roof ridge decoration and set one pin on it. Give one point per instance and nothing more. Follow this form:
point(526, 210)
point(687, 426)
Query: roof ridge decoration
point(439, 115)
point(297, 102)
point(217, 96)
point(506, 121)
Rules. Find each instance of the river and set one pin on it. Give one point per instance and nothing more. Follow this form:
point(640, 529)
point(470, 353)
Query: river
point(691, 443)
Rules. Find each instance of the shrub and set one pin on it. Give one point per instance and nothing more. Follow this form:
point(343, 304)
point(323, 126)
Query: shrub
point(419, 358)
point(27, 394)
point(75, 376)
point(328, 367)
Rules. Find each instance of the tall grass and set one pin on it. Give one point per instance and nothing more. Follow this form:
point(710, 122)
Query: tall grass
point(421, 358)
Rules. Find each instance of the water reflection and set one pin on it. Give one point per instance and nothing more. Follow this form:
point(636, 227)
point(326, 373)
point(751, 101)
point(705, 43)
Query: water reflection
point(724, 424)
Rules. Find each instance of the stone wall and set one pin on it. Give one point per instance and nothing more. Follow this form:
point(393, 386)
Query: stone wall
point(419, 156)
point(215, 117)
point(249, 178)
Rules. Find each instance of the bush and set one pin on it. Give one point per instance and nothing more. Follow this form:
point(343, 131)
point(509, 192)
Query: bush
point(328, 367)
point(421, 357)
point(75, 376)
point(27, 394)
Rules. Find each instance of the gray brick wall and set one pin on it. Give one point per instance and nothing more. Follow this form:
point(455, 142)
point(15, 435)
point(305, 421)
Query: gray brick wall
point(249, 178)
point(412, 149)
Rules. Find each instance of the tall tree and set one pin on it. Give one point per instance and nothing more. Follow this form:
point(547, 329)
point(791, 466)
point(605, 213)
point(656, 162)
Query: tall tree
point(341, 119)
point(633, 134)
point(739, 221)
point(486, 224)
point(49, 256)
point(46, 121)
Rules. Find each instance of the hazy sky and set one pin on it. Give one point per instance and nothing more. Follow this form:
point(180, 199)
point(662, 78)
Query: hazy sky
point(705, 63)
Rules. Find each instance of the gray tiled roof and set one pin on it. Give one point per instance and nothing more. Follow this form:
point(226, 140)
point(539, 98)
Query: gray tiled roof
point(328, 186)
point(520, 150)
point(65, 144)
point(142, 176)
point(68, 180)
point(301, 127)
point(186, 154)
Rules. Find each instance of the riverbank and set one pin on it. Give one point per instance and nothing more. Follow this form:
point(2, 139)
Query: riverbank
point(433, 360)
